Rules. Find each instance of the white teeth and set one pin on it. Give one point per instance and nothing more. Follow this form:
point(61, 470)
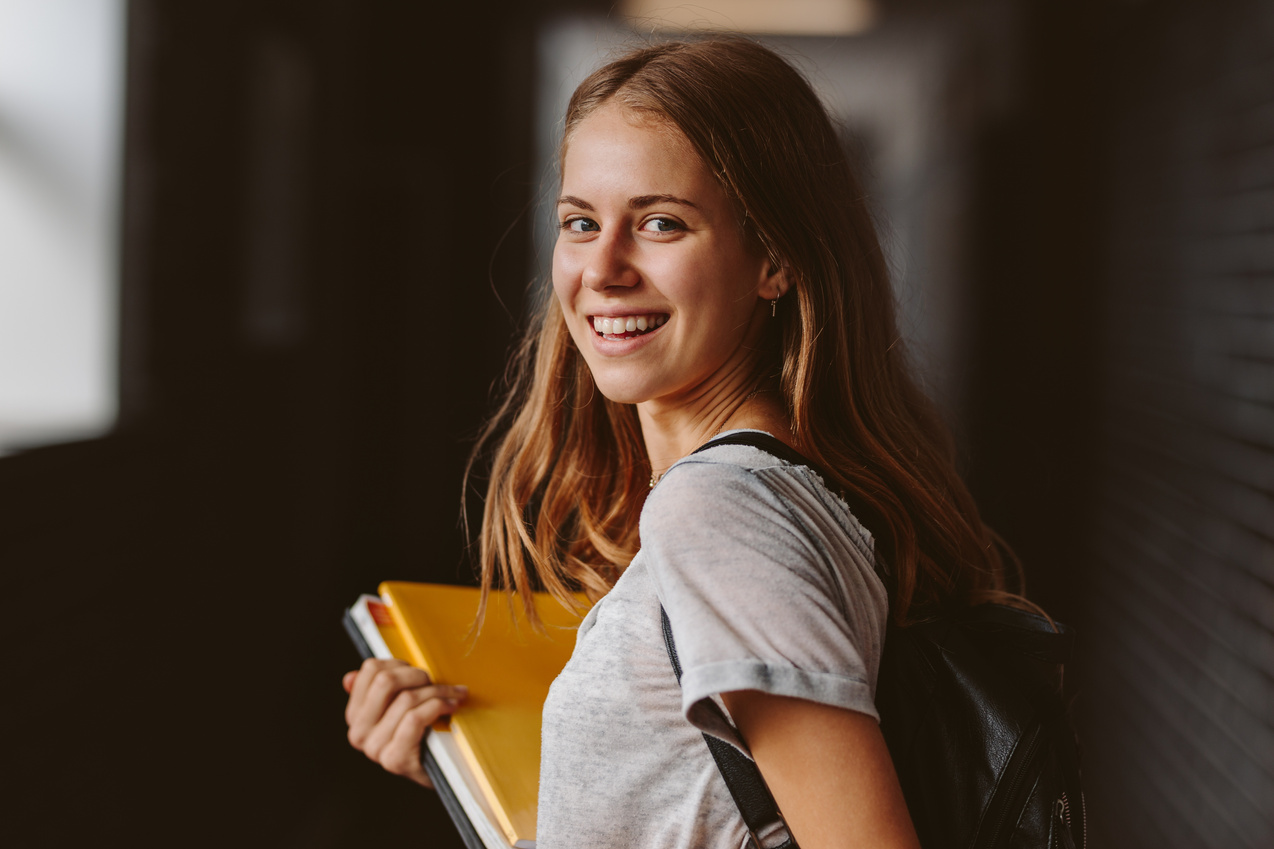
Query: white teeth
point(627, 324)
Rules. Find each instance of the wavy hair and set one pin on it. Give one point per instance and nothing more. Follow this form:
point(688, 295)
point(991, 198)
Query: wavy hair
point(569, 474)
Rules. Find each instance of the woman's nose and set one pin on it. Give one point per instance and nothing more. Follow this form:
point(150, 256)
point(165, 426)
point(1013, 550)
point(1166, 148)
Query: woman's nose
point(610, 263)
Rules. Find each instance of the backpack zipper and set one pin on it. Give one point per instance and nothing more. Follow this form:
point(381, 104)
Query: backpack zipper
point(1064, 813)
point(1083, 815)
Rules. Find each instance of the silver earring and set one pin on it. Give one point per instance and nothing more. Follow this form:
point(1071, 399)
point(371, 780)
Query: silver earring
point(774, 307)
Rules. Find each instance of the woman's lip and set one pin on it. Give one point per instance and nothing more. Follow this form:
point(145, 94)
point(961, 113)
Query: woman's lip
point(612, 345)
point(628, 314)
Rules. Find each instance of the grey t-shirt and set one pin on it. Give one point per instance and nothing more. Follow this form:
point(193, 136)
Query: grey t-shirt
point(769, 585)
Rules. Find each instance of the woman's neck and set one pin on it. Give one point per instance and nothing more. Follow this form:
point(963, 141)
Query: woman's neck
point(672, 433)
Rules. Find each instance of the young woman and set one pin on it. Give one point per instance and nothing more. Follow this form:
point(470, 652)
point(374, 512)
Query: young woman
point(716, 271)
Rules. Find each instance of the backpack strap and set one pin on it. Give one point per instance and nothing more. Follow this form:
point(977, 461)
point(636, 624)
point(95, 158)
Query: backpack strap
point(769, 444)
point(742, 778)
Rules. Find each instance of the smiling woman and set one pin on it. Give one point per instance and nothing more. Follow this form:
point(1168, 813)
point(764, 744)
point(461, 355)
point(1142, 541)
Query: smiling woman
point(716, 274)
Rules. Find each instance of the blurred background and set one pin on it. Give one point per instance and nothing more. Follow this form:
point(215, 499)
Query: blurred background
point(261, 264)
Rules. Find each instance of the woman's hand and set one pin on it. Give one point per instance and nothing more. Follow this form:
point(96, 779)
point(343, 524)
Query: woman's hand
point(391, 706)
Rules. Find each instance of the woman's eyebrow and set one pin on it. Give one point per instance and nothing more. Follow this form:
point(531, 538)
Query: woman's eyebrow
point(639, 202)
point(643, 201)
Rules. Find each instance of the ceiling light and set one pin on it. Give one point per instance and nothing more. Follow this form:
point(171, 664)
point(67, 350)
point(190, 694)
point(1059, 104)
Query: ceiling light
point(761, 17)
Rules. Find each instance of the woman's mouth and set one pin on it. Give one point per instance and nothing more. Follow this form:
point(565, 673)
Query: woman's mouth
point(626, 326)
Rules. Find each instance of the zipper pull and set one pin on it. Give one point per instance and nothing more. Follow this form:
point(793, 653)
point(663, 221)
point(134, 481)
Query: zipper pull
point(1062, 837)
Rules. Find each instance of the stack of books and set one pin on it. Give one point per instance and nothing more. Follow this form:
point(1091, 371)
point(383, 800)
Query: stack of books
point(485, 760)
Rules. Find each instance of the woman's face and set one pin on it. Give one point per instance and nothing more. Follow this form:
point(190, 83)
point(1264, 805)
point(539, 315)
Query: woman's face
point(661, 293)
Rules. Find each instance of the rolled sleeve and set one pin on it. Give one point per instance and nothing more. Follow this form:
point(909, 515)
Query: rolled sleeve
point(768, 583)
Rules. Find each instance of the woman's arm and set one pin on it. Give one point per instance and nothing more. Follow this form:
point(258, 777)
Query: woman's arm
point(829, 771)
point(391, 706)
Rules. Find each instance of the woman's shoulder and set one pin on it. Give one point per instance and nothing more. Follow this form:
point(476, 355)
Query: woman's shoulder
point(750, 532)
point(731, 483)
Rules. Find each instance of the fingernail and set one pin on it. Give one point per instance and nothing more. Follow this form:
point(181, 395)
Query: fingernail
point(460, 691)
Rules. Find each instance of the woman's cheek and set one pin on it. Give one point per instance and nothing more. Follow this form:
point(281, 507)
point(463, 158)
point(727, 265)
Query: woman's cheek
point(565, 279)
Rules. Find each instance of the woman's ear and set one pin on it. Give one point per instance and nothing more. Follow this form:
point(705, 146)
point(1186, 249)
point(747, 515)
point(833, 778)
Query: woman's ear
point(775, 284)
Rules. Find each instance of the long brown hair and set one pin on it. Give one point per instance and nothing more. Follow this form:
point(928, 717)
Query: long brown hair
point(569, 473)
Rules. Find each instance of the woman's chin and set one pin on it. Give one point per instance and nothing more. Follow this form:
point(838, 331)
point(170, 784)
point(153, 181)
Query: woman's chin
point(621, 395)
point(621, 389)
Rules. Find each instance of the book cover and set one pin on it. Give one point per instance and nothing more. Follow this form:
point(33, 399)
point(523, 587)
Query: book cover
point(507, 667)
point(490, 757)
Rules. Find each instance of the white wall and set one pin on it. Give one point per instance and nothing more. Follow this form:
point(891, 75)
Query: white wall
point(61, 101)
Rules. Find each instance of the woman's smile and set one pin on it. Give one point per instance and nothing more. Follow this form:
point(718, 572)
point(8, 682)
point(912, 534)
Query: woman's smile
point(612, 337)
point(626, 327)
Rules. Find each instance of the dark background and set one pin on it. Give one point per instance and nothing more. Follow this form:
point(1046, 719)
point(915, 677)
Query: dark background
point(325, 255)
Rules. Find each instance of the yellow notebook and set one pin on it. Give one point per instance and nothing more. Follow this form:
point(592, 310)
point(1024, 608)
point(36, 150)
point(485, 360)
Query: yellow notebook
point(507, 667)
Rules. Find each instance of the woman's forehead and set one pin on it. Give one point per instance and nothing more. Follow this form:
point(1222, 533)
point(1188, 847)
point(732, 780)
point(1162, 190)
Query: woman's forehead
point(615, 114)
point(619, 145)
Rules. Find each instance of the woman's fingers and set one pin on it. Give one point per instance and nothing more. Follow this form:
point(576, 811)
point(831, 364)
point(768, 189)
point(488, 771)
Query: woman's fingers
point(390, 709)
point(375, 685)
point(420, 706)
point(400, 753)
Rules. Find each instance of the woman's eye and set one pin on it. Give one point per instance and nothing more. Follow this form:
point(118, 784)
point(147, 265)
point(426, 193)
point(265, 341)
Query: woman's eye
point(580, 225)
point(661, 225)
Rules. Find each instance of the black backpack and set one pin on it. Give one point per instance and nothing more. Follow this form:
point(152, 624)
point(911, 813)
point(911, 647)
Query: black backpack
point(971, 710)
